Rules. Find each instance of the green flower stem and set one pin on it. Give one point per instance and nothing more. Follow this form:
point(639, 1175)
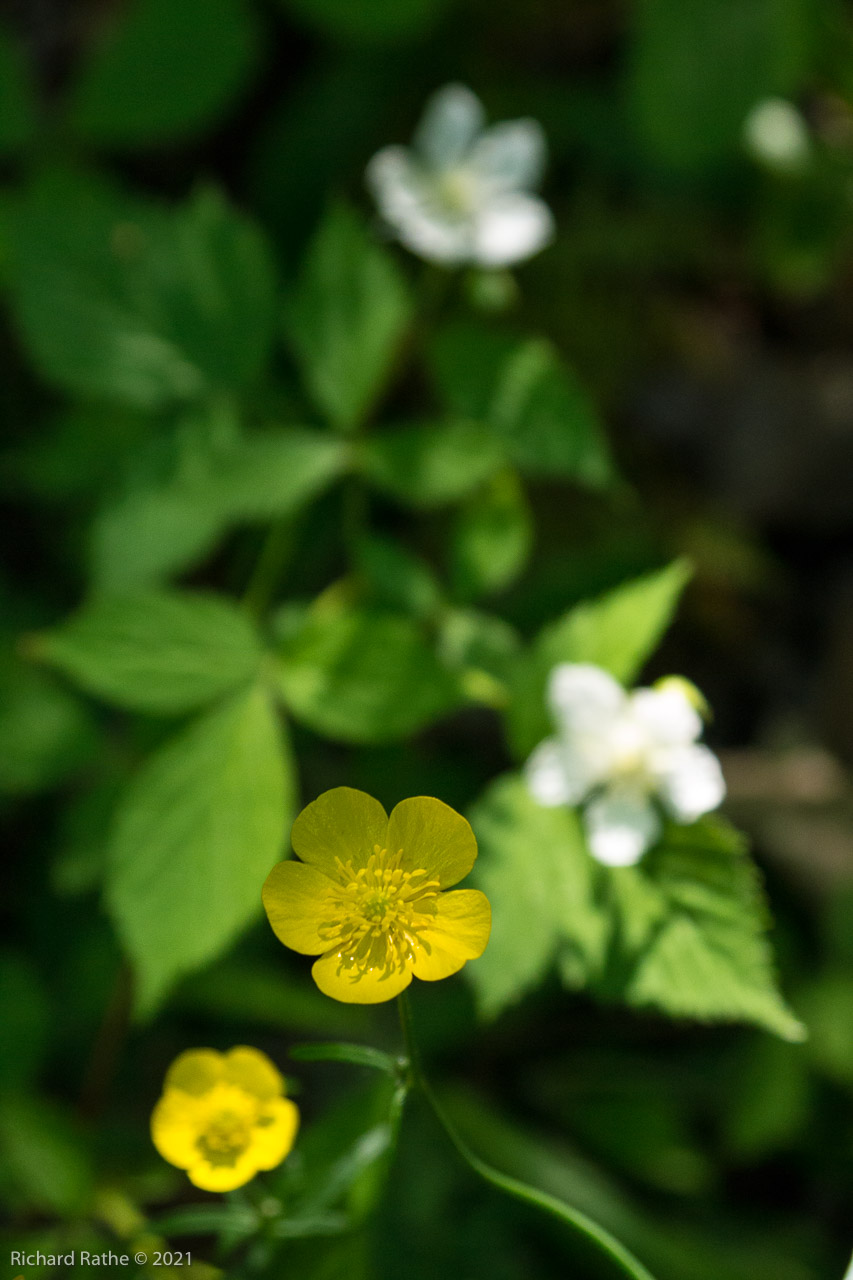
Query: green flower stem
point(600, 1240)
point(275, 553)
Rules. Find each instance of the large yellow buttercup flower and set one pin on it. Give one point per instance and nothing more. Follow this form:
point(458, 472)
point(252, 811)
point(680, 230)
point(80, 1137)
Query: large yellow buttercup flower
point(368, 895)
point(223, 1117)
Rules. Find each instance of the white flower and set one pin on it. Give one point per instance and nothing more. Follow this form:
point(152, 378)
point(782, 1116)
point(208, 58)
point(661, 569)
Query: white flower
point(623, 756)
point(461, 194)
point(777, 135)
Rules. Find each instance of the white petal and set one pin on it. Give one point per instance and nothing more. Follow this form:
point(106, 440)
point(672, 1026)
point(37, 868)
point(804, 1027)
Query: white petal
point(451, 121)
point(510, 229)
point(691, 783)
point(546, 777)
point(620, 827)
point(510, 156)
point(666, 715)
point(584, 698)
point(556, 774)
point(395, 182)
point(437, 239)
point(405, 198)
point(777, 135)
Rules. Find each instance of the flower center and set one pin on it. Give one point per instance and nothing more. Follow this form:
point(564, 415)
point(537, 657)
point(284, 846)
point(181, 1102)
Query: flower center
point(380, 911)
point(225, 1138)
point(457, 191)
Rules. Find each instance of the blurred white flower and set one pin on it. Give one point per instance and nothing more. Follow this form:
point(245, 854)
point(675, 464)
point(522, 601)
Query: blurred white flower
point(624, 757)
point(461, 192)
point(776, 135)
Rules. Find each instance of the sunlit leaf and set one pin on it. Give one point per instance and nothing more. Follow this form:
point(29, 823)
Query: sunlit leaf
point(196, 833)
point(156, 651)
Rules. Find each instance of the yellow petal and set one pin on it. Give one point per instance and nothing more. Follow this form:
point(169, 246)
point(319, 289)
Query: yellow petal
point(223, 1177)
point(196, 1071)
point(357, 986)
point(274, 1133)
point(462, 926)
point(341, 823)
point(176, 1123)
point(253, 1072)
point(432, 836)
point(297, 900)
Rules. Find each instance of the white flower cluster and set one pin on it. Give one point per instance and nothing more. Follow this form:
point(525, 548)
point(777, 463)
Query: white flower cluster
point(461, 193)
point(624, 757)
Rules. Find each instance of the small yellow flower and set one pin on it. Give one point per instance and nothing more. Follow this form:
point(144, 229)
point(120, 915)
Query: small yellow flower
point(223, 1117)
point(368, 896)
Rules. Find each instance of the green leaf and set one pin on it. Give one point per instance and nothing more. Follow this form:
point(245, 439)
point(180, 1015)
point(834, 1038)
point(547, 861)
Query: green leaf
point(358, 1055)
point(165, 527)
point(432, 464)
point(618, 632)
point(274, 473)
point(346, 319)
point(43, 1155)
point(546, 419)
point(46, 731)
point(471, 639)
point(196, 833)
point(534, 869)
point(703, 952)
point(127, 300)
point(164, 72)
point(17, 96)
point(396, 578)
point(346, 1153)
point(466, 361)
point(163, 652)
point(370, 21)
point(207, 1220)
point(492, 538)
point(697, 67)
point(363, 676)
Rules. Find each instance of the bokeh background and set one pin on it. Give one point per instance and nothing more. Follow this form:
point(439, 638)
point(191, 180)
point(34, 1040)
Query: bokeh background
point(700, 285)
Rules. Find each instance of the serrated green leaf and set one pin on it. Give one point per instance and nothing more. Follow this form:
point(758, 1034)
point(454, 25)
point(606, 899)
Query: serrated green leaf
point(199, 828)
point(126, 300)
point(548, 422)
point(535, 870)
point(17, 96)
point(492, 538)
point(163, 528)
point(164, 652)
point(363, 676)
point(618, 632)
point(164, 72)
point(431, 464)
point(346, 318)
point(703, 953)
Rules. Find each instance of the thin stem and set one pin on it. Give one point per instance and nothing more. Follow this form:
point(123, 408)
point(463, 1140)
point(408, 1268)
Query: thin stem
point(594, 1235)
point(274, 555)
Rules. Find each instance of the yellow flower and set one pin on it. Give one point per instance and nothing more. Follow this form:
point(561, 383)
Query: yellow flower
point(223, 1117)
point(367, 896)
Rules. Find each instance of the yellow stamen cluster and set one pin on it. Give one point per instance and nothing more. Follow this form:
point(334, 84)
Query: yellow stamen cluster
point(381, 909)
